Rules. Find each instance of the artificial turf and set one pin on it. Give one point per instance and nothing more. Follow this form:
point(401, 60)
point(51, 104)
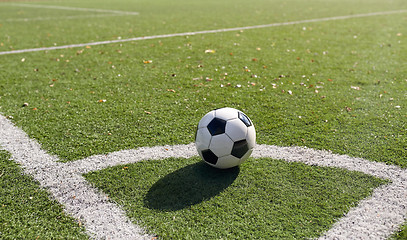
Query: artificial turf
point(27, 211)
point(335, 85)
point(317, 85)
point(401, 235)
point(261, 199)
point(25, 29)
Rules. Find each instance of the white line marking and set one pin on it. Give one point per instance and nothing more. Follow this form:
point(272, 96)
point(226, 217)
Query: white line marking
point(102, 218)
point(99, 162)
point(73, 8)
point(202, 32)
point(59, 18)
point(376, 217)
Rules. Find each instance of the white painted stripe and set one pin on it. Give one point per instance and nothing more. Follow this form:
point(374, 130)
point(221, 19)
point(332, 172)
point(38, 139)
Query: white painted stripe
point(102, 218)
point(73, 8)
point(376, 217)
point(99, 162)
point(202, 32)
point(59, 18)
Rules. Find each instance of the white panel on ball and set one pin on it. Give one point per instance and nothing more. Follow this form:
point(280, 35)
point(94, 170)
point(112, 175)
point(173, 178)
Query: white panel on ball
point(236, 129)
point(221, 145)
point(226, 113)
point(227, 162)
point(203, 138)
point(251, 136)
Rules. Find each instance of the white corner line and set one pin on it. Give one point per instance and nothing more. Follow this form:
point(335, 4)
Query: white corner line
point(101, 217)
point(376, 217)
point(203, 32)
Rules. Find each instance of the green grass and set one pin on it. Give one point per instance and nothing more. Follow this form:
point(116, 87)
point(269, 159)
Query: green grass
point(161, 17)
point(26, 211)
point(323, 112)
point(334, 85)
point(401, 235)
point(263, 199)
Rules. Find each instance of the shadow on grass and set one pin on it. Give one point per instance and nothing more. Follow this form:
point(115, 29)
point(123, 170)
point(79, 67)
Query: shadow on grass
point(188, 186)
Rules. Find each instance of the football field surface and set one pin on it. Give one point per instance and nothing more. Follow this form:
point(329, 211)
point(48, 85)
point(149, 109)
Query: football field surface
point(91, 90)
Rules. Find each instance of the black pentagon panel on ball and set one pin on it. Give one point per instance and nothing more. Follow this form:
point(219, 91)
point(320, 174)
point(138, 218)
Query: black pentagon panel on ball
point(209, 156)
point(245, 119)
point(240, 148)
point(217, 126)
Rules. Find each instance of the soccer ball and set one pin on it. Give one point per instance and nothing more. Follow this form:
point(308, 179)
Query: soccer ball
point(225, 138)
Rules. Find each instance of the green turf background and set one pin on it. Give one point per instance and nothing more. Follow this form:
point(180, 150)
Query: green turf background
point(335, 85)
point(402, 234)
point(321, 66)
point(162, 17)
point(26, 211)
point(261, 199)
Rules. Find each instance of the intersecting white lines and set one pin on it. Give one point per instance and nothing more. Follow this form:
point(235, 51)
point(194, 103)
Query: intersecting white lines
point(102, 218)
point(375, 217)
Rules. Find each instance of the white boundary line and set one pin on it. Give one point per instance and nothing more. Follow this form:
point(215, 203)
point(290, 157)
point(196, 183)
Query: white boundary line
point(102, 218)
point(59, 18)
point(73, 8)
point(376, 217)
point(203, 32)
